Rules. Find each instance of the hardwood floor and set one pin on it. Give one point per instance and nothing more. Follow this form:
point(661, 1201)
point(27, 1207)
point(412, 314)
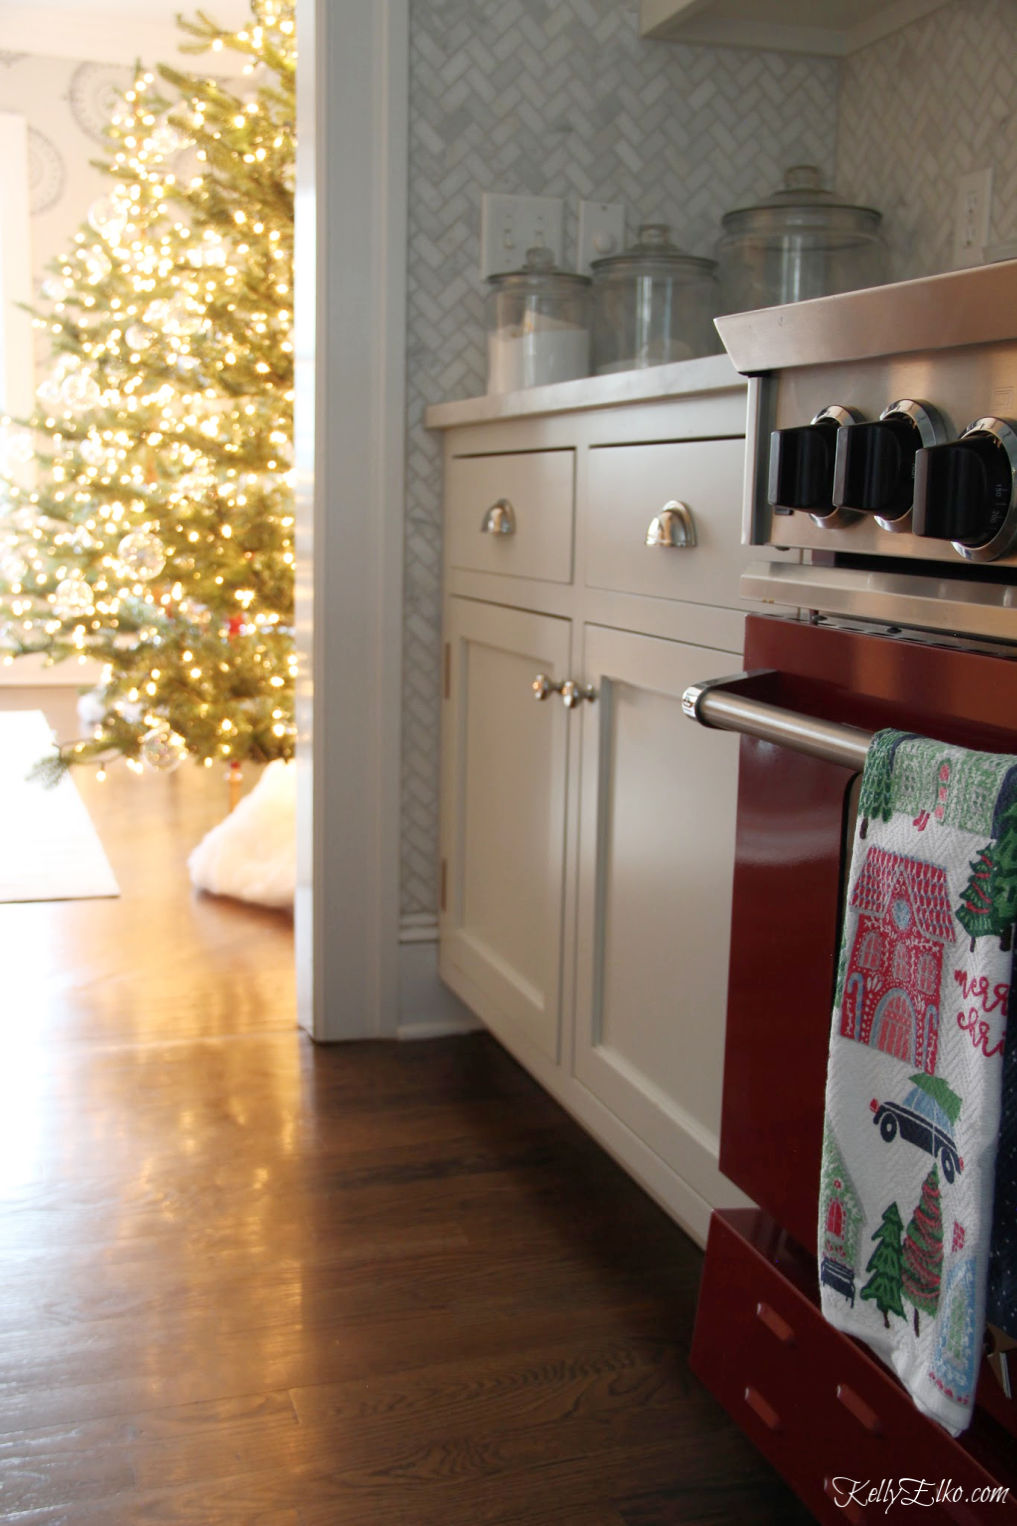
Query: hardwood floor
point(246, 1280)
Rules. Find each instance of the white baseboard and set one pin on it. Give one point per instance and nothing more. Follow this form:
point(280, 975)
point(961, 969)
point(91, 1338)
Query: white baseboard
point(427, 1008)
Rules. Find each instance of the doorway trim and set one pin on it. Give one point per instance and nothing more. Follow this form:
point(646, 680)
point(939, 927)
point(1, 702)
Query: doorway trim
point(351, 239)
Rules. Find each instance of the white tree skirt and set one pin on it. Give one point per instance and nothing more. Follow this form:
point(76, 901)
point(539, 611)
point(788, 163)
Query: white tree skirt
point(252, 854)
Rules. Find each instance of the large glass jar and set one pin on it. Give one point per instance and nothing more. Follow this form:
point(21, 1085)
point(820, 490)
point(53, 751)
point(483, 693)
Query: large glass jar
point(652, 304)
point(803, 241)
point(538, 325)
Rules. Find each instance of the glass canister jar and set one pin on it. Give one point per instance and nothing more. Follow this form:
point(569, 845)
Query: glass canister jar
point(538, 325)
point(652, 304)
point(803, 241)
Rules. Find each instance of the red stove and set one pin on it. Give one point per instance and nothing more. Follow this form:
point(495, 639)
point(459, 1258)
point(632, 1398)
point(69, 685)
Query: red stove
point(883, 449)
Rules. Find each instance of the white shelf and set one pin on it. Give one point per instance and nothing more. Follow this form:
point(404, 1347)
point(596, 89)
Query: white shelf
point(832, 27)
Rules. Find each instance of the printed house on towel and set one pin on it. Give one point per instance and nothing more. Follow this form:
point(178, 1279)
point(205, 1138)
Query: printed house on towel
point(892, 981)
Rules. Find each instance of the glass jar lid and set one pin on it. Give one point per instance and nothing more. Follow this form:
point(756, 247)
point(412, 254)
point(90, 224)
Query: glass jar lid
point(539, 274)
point(653, 253)
point(802, 202)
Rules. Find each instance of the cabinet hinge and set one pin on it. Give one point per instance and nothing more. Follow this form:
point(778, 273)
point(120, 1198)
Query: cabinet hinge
point(448, 669)
point(444, 884)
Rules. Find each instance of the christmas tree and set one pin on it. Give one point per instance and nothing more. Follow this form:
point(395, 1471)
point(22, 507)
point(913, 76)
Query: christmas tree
point(989, 900)
point(875, 796)
point(885, 1263)
point(157, 535)
point(975, 913)
point(923, 1250)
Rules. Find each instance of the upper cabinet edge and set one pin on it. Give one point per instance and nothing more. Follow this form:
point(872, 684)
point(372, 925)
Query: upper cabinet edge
point(769, 24)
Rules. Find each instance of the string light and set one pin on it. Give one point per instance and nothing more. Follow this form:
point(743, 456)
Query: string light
point(155, 532)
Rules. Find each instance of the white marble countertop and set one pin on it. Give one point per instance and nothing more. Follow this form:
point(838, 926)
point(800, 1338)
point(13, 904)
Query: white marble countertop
point(684, 378)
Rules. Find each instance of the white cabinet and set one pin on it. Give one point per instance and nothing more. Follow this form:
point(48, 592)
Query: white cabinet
point(795, 26)
point(628, 485)
point(656, 851)
point(504, 821)
point(587, 850)
point(533, 509)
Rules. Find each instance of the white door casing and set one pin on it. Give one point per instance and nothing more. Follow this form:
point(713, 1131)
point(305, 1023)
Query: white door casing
point(352, 88)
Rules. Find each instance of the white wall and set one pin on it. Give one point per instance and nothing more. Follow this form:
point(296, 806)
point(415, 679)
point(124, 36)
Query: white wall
point(15, 267)
point(109, 31)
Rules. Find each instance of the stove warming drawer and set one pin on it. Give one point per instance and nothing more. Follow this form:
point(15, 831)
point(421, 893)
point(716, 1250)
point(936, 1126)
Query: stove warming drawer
point(818, 1406)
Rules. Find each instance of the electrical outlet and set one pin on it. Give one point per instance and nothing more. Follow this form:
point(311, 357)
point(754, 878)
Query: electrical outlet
point(972, 207)
point(601, 232)
point(509, 225)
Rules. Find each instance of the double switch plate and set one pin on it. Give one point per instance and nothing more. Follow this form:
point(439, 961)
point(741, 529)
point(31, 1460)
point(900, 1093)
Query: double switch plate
point(512, 224)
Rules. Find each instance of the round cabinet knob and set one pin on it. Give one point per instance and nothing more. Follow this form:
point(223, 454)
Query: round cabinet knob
point(673, 526)
point(874, 463)
point(500, 519)
point(542, 686)
point(965, 493)
point(574, 693)
point(802, 463)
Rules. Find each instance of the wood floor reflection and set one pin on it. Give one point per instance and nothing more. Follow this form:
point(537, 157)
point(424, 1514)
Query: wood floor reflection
point(246, 1280)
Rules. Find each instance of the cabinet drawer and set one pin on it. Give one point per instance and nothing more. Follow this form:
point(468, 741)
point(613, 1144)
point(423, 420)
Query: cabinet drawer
point(813, 1401)
point(629, 485)
point(538, 489)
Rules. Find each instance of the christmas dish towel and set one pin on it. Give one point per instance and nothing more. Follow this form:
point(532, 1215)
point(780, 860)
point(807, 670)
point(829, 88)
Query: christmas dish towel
point(1001, 1308)
point(916, 1059)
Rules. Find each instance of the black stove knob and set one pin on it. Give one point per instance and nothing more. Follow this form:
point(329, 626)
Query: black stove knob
point(875, 465)
point(963, 490)
point(801, 466)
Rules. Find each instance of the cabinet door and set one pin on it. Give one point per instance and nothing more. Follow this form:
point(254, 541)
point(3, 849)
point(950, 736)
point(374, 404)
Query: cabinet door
point(656, 845)
point(503, 836)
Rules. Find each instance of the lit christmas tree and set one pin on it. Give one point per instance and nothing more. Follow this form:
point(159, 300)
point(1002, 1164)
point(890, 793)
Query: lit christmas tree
point(157, 535)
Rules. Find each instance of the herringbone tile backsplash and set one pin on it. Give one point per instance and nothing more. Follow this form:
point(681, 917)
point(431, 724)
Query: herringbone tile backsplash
point(919, 109)
point(557, 99)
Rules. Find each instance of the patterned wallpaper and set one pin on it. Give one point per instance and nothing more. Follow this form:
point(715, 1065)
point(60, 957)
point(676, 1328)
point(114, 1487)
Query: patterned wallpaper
point(557, 99)
point(922, 107)
point(66, 105)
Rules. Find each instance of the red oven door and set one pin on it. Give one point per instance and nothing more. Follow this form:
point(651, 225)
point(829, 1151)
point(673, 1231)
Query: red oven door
point(789, 876)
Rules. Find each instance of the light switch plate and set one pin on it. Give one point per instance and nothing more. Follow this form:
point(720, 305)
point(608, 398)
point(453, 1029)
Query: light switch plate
point(509, 225)
point(601, 232)
point(971, 217)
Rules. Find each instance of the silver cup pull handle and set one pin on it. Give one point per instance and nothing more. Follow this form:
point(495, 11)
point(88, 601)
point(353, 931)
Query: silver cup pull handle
point(542, 686)
point(500, 519)
point(673, 526)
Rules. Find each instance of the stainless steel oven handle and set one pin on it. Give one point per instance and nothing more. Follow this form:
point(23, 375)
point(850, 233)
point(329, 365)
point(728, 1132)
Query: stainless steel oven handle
point(711, 704)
